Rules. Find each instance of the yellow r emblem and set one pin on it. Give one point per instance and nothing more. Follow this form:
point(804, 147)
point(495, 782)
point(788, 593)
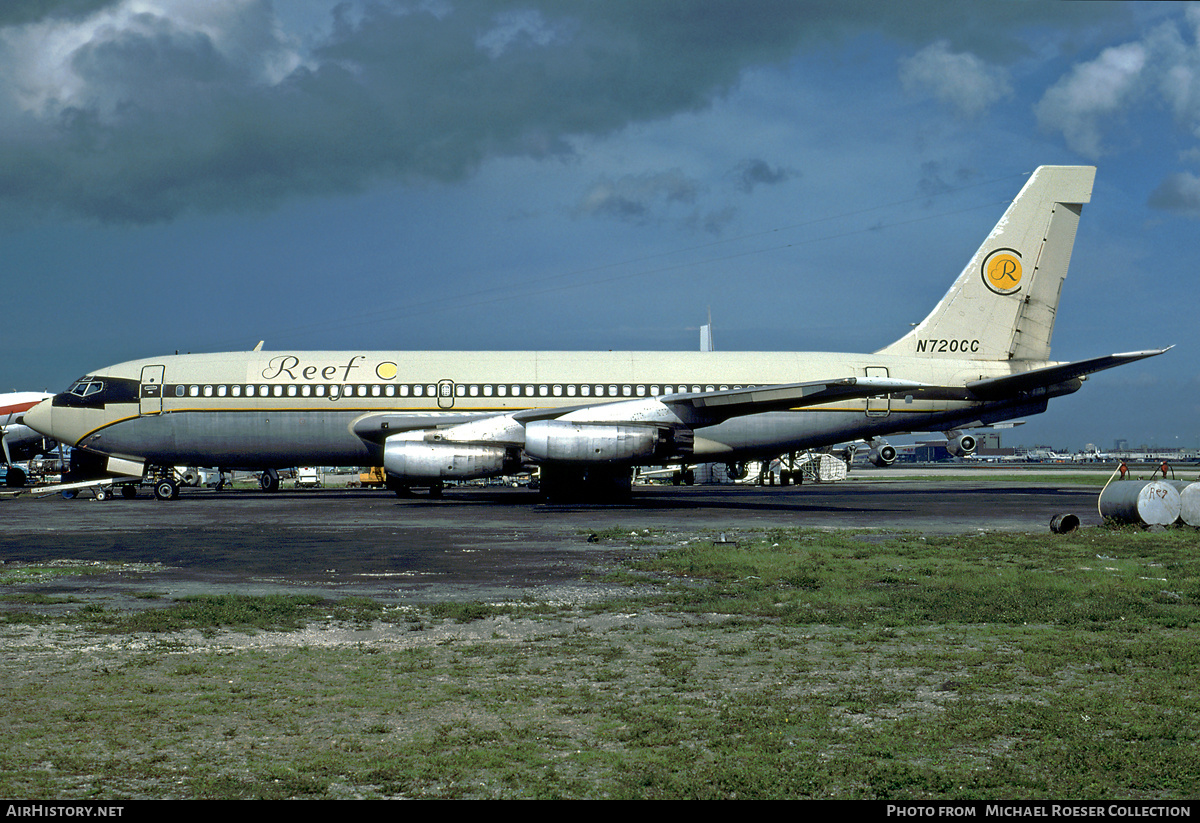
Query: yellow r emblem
point(1002, 271)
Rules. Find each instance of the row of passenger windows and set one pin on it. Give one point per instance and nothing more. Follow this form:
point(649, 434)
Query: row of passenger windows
point(446, 389)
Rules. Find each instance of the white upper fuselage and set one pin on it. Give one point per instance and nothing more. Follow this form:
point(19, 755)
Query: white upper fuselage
point(290, 408)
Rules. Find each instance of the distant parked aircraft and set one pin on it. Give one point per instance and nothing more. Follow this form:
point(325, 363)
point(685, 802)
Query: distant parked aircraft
point(18, 442)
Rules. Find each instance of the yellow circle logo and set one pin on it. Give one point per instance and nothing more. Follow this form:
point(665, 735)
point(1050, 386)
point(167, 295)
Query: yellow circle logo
point(386, 371)
point(1002, 271)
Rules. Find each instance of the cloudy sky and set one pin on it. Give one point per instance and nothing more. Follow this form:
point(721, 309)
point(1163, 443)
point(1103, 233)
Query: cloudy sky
point(178, 175)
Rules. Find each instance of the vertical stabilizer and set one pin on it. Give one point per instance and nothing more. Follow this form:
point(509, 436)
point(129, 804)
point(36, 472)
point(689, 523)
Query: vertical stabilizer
point(1002, 306)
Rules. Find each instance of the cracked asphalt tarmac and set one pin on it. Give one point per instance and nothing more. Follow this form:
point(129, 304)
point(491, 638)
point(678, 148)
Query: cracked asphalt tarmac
point(473, 544)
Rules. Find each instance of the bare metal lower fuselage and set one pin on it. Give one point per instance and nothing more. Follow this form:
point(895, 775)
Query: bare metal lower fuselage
point(212, 410)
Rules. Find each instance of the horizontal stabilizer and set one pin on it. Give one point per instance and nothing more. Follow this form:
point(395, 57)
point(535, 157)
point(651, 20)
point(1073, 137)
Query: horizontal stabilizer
point(994, 387)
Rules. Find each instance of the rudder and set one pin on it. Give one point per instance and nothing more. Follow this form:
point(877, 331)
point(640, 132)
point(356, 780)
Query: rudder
point(1003, 304)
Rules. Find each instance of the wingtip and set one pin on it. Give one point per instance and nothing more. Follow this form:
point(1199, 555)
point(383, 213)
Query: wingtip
point(1138, 355)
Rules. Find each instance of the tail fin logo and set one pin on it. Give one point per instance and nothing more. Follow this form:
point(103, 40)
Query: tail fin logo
point(1002, 271)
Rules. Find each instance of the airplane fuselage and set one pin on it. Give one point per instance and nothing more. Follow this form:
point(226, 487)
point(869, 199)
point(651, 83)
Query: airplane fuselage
point(276, 409)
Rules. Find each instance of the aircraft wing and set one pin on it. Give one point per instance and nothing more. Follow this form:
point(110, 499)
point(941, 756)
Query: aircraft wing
point(994, 387)
point(709, 407)
point(722, 405)
point(688, 408)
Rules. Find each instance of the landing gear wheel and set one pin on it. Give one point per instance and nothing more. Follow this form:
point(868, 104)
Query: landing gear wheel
point(129, 492)
point(269, 481)
point(394, 485)
point(166, 490)
point(16, 478)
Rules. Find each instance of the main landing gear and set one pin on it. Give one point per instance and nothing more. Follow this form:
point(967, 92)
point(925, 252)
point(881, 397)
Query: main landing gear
point(268, 481)
point(599, 484)
point(165, 488)
point(402, 489)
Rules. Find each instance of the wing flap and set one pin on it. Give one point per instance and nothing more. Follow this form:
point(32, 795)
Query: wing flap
point(777, 397)
point(727, 403)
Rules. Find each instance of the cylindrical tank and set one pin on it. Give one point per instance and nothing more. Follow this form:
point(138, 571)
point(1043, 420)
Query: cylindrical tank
point(1189, 501)
point(1151, 502)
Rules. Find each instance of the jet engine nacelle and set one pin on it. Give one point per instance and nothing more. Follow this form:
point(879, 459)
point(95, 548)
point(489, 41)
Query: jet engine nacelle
point(960, 445)
point(422, 460)
point(883, 454)
point(565, 442)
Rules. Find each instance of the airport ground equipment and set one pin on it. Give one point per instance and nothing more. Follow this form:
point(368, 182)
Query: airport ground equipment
point(102, 489)
point(819, 467)
point(371, 477)
point(309, 477)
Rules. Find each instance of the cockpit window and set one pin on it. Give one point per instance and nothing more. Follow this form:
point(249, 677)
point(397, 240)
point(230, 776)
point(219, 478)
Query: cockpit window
point(86, 386)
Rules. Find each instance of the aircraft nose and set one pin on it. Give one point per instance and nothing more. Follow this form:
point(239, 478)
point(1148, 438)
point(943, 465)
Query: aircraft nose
point(39, 418)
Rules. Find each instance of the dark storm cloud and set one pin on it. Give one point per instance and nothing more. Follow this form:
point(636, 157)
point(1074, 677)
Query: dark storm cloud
point(151, 115)
point(15, 12)
point(752, 173)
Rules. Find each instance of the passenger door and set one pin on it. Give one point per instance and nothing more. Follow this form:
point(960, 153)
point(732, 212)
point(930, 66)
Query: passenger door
point(150, 397)
point(880, 404)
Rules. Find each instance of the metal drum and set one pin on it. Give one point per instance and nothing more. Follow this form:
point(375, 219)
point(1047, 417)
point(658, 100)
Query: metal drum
point(1151, 502)
point(1064, 523)
point(1189, 502)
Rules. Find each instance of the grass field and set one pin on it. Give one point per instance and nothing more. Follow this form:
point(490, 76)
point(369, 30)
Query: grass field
point(786, 664)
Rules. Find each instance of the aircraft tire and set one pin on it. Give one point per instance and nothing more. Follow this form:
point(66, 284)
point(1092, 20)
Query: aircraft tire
point(15, 478)
point(165, 490)
point(584, 485)
point(129, 492)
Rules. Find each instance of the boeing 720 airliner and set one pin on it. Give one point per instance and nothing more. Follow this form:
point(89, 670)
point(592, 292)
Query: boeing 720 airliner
point(586, 419)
